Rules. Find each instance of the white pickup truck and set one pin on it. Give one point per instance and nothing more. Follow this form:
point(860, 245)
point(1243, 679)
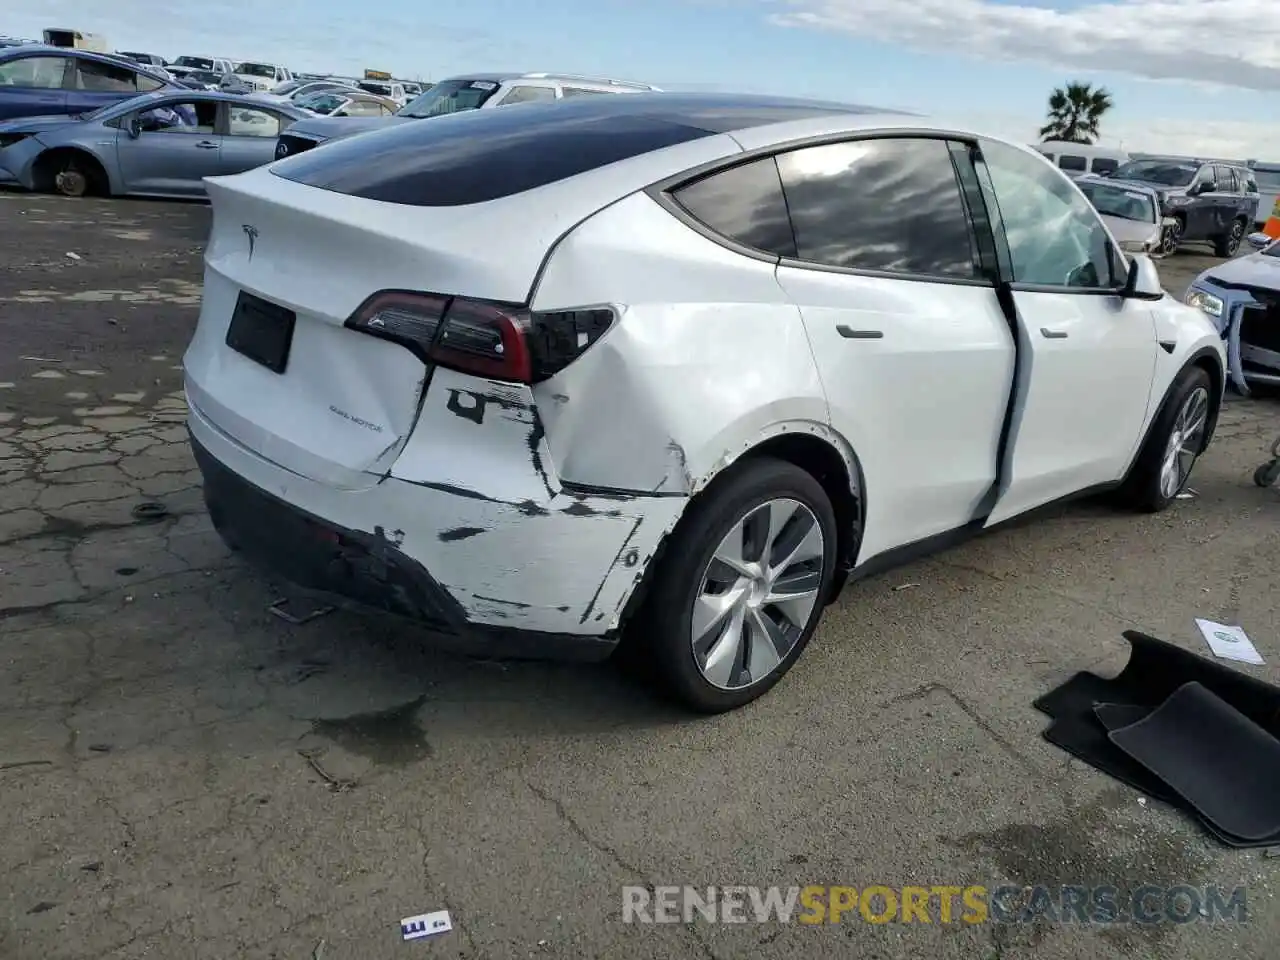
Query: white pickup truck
point(261, 76)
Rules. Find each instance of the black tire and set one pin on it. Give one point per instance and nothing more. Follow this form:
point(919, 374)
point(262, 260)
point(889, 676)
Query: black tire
point(1229, 244)
point(661, 634)
point(1172, 237)
point(1142, 488)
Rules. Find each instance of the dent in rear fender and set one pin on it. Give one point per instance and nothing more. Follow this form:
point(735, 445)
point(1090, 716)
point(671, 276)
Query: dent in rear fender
point(489, 518)
point(685, 381)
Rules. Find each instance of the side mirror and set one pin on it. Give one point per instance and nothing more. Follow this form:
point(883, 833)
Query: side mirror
point(134, 127)
point(1260, 241)
point(1143, 281)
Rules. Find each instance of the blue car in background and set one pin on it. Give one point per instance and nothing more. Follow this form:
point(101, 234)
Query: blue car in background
point(159, 144)
point(37, 80)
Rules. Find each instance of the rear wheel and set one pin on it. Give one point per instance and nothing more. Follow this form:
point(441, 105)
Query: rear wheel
point(1174, 444)
point(741, 586)
point(1229, 244)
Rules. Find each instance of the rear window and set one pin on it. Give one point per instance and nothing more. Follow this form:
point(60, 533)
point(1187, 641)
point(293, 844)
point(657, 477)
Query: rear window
point(483, 155)
point(744, 204)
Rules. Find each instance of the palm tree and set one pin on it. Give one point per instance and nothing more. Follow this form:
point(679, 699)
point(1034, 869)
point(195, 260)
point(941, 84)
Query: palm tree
point(1074, 113)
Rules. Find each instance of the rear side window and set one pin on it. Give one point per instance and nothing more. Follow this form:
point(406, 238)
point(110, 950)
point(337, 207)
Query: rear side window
point(528, 95)
point(1071, 162)
point(1105, 165)
point(744, 204)
point(891, 205)
point(481, 155)
point(1250, 184)
point(105, 78)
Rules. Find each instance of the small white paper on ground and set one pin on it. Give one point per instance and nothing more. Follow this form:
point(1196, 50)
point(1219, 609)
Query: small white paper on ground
point(1229, 643)
point(425, 925)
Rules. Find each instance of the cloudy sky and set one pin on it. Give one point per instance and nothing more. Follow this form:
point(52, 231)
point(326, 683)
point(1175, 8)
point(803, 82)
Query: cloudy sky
point(1196, 76)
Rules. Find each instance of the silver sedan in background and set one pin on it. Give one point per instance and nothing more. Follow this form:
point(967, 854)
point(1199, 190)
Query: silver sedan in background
point(159, 144)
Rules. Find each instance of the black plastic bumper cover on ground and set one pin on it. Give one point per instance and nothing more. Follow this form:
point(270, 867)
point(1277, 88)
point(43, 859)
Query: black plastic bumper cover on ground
point(1121, 727)
point(361, 568)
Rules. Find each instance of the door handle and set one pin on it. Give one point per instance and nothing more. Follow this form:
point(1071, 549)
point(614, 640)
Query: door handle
point(851, 334)
point(206, 145)
point(1053, 334)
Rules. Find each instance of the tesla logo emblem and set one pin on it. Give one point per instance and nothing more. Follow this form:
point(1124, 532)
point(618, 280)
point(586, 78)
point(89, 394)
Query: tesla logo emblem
point(252, 233)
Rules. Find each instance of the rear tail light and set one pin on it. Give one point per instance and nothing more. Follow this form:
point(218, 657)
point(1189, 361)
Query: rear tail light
point(493, 340)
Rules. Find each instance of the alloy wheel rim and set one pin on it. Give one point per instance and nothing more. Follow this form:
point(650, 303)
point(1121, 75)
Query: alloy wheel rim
point(757, 594)
point(1184, 443)
point(1237, 233)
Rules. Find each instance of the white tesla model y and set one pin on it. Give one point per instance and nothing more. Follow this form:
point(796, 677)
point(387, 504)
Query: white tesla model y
point(670, 368)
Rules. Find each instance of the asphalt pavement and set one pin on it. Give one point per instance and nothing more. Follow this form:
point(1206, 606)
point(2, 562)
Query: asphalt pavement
point(183, 774)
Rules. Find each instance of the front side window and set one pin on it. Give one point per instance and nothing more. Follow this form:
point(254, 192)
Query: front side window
point(1055, 237)
point(105, 78)
point(528, 95)
point(891, 205)
point(194, 117)
point(744, 204)
point(40, 73)
point(1226, 179)
point(582, 92)
point(244, 122)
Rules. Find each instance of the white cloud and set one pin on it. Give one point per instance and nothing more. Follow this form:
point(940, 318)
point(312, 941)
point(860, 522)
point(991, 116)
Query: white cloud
point(1234, 43)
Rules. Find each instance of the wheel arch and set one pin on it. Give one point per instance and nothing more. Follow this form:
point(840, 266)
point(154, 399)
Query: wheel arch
point(814, 448)
point(44, 168)
point(1208, 359)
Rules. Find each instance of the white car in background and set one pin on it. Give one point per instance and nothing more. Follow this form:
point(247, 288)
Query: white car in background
point(261, 76)
point(187, 64)
point(1130, 211)
point(707, 359)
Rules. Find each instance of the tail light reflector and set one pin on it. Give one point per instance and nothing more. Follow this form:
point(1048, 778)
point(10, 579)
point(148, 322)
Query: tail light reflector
point(492, 340)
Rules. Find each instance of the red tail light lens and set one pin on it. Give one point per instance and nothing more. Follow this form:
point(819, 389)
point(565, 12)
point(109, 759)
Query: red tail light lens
point(492, 340)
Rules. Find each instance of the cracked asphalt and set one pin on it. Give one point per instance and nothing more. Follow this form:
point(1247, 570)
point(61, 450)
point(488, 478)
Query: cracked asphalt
point(183, 774)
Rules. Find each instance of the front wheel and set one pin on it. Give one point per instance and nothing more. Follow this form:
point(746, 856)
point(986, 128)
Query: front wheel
point(1172, 236)
point(741, 586)
point(1176, 440)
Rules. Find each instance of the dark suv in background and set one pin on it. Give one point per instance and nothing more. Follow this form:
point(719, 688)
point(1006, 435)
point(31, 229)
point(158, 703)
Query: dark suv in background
point(1206, 200)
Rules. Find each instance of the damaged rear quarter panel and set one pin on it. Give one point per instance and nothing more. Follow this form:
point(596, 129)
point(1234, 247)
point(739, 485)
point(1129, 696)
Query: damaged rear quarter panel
point(685, 381)
point(483, 509)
